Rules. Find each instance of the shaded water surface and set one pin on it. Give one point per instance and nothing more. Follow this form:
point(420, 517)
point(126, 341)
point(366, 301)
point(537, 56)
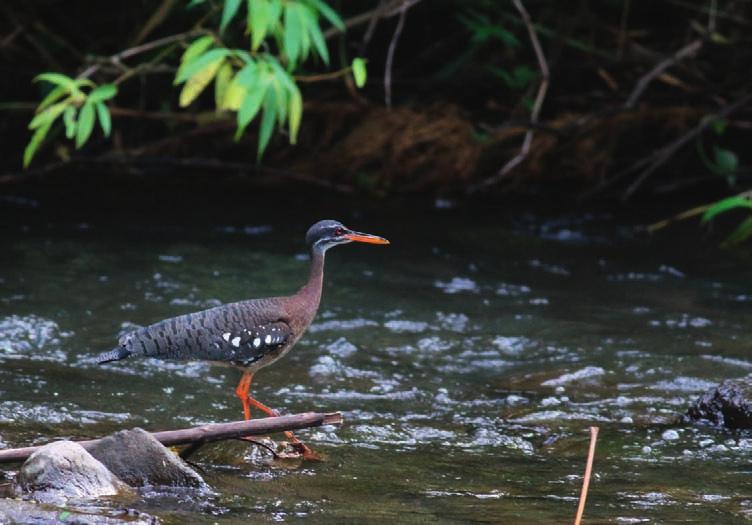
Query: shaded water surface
point(468, 358)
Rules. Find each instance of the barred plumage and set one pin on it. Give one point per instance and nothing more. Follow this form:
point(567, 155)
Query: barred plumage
point(250, 334)
point(240, 333)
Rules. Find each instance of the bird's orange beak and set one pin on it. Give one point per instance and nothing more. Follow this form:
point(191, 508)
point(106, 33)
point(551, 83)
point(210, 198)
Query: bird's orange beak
point(365, 237)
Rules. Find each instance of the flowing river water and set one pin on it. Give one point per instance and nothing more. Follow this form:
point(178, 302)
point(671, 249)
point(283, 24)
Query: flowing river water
point(468, 358)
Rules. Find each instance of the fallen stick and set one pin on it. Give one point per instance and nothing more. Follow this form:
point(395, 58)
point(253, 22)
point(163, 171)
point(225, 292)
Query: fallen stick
point(209, 433)
point(586, 478)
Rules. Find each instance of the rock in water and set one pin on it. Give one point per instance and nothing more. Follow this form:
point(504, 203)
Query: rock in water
point(137, 458)
point(19, 511)
point(728, 404)
point(63, 470)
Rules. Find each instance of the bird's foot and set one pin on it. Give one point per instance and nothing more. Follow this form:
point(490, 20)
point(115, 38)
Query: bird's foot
point(296, 450)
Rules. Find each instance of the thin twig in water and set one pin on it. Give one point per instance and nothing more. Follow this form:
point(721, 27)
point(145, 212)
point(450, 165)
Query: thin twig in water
point(586, 478)
point(537, 105)
point(642, 84)
point(390, 56)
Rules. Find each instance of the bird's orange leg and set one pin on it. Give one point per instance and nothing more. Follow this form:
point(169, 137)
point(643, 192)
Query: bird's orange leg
point(242, 391)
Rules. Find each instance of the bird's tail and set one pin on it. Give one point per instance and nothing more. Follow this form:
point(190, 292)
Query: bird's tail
point(115, 354)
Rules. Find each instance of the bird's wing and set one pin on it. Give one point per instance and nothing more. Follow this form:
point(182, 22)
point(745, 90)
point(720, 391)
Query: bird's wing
point(248, 345)
point(238, 333)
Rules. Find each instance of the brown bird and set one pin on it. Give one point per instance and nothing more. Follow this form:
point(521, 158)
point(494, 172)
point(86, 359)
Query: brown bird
point(249, 334)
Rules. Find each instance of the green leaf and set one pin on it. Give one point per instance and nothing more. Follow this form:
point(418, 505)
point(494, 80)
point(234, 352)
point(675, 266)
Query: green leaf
point(48, 115)
point(308, 20)
point(251, 104)
point(198, 82)
point(318, 42)
point(105, 121)
point(267, 124)
point(280, 73)
point(102, 93)
point(224, 76)
point(59, 80)
point(726, 160)
point(722, 206)
point(228, 12)
point(742, 232)
point(296, 114)
point(214, 56)
point(359, 71)
point(280, 99)
point(292, 35)
point(36, 140)
point(85, 124)
point(259, 18)
point(239, 86)
point(196, 48)
point(192, 52)
point(328, 13)
point(54, 94)
point(69, 119)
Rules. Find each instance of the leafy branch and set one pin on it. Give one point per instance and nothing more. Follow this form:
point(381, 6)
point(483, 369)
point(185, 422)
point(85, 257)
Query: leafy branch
point(254, 82)
point(77, 108)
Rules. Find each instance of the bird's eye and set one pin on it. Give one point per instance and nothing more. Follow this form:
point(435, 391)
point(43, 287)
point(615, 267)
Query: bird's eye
point(339, 232)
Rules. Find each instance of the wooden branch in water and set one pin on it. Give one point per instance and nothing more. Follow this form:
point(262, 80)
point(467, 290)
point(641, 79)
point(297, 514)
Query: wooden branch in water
point(586, 478)
point(208, 433)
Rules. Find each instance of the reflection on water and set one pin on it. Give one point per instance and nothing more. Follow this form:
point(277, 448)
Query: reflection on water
point(468, 359)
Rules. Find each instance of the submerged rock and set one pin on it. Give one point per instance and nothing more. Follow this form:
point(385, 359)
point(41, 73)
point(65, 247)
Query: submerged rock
point(728, 404)
point(63, 470)
point(138, 459)
point(19, 511)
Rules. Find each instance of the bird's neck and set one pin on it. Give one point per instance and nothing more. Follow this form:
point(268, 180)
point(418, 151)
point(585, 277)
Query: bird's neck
point(310, 294)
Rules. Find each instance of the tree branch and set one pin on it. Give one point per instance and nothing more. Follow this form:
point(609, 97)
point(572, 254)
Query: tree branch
point(688, 50)
point(209, 433)
point(384, 10)
point(390, 56)
point(665, 153)
point(132, 51)
point(537, 105)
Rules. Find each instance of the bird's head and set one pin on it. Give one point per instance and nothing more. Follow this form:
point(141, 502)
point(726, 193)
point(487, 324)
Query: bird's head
point(325, 234)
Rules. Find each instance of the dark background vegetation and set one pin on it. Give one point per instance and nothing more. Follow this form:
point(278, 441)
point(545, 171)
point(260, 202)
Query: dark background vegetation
point(646, 100)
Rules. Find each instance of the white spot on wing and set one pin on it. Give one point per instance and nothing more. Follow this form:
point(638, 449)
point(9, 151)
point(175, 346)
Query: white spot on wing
point(257, 342)
point(236, 341)
point(226, 336)
point(268, 339)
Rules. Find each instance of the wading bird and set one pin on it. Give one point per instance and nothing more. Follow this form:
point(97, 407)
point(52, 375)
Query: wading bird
point(248, 334)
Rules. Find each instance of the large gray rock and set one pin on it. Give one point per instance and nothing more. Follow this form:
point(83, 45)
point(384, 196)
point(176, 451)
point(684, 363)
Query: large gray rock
point(728, 404)
point(137, 458)
point(63, 470)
